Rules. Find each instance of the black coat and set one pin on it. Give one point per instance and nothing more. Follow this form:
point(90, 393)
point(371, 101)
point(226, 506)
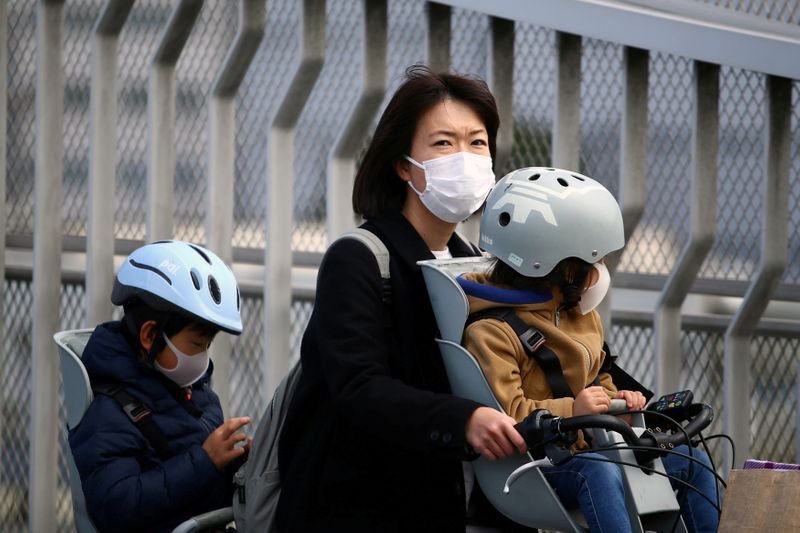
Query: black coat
point(373, 440)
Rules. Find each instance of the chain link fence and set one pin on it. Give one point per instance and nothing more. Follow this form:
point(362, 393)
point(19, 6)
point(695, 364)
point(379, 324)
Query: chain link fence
point(653, 248)
point(777, 10)
point(15, 401)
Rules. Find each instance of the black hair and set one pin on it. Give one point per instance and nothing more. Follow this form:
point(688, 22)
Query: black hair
point(570, 276)
point(170, 323)
point(377, 188)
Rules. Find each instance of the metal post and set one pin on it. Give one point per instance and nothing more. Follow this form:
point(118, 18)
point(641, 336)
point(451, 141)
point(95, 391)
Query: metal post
point(438, 35)
point(633, 164)
point(280, 187)
point(737, 383)
point(342, 163)
point(633, 171)
point(501, 81)
point(46, 264)
point(705, 135)
point(102, 161)
point(221, 160)
point(161, 119)
point(567, 121)
point(3, 148)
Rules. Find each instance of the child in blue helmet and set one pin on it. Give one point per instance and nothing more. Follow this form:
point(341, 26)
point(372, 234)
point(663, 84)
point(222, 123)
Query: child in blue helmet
point(153, 449)
point(549, 230)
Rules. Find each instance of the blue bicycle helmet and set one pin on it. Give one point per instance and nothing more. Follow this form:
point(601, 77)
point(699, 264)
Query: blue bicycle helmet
point(180, 277)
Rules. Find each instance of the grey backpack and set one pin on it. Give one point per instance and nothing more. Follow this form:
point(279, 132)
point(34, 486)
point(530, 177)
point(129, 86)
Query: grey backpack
point(258, 482)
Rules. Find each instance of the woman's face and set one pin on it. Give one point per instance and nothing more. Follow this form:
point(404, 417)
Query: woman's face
point(447, 128)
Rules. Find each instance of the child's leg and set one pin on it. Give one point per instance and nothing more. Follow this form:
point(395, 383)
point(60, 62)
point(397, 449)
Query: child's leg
point(595, 486)
point(698, 514)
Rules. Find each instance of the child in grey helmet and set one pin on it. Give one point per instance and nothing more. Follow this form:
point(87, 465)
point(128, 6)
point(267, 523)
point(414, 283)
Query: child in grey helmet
point(550, 231)
point(153, 449)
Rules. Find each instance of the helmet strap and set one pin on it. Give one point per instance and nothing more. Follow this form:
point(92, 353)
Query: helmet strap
point(158, 341)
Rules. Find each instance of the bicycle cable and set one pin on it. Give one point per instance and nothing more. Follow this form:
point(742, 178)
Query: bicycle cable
point(654, 471)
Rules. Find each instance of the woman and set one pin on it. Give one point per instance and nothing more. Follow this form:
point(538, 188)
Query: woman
point(373, 440)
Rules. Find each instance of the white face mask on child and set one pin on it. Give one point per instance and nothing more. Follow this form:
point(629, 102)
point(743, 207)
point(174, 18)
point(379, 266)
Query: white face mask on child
point(189, 369)
point(592, 296)
point(456, 185)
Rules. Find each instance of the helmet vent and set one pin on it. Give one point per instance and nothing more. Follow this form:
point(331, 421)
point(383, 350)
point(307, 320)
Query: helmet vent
point(563, 182)
point(577, 177)
point(151, 269)
point(195, 279)
point(551, 169)
point(238, 300)
point(213, 289)
point(504, 219)
point(534, 177)
point(201, 252)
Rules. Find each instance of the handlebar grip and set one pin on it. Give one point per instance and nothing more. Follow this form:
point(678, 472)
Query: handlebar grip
point(608, 422)
point(701, 415)
point(617, 405)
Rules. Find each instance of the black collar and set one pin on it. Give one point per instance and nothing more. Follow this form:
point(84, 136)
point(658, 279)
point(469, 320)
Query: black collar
point(406, 244)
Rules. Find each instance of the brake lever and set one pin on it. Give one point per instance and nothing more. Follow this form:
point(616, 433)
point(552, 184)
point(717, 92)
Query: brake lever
point(519, 472)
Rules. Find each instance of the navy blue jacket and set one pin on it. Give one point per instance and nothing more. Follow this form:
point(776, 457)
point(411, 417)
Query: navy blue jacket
point(126, 485)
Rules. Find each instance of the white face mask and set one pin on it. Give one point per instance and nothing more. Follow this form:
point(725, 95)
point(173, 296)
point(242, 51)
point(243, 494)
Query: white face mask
point(189, 369)
point(456, 185)
point(592, 296)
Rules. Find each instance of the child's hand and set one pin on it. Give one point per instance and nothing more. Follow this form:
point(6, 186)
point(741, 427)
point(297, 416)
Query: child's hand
point(591, 400)
point(634, 399)
point(221, 444)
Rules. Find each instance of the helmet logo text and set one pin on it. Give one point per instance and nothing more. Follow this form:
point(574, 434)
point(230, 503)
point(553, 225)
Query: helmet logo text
point(172, 268)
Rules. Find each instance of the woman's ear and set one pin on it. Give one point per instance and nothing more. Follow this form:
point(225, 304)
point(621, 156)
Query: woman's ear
point(402, 167)
point(147, 334)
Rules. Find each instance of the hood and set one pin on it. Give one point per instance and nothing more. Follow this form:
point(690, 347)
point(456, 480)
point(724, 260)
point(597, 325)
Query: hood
point(482, 295)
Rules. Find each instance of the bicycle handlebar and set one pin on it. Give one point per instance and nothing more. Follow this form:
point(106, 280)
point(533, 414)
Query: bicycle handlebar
point(541, 428)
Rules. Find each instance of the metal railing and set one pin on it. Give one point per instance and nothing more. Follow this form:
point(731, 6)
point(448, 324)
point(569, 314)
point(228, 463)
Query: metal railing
point(649, 96)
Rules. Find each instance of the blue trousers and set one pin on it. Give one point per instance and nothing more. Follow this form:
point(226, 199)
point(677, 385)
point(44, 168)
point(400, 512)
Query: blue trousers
point(597, 488)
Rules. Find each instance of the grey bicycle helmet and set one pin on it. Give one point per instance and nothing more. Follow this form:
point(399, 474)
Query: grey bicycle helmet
point(179, 277)
point(535, 217)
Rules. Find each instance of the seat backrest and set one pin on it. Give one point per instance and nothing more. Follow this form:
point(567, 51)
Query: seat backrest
point(447, 298)
point(77, 397)
point(532, 501)
point(77, 389)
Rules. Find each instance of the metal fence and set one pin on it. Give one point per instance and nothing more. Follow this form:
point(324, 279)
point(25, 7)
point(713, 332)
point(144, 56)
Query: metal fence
point(292, 122)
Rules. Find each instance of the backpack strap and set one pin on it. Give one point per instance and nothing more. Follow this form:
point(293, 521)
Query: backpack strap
point(533, 342)
point(138, 413)
point(375, 245)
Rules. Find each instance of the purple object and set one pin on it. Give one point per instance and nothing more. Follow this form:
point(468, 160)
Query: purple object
point(768, 465)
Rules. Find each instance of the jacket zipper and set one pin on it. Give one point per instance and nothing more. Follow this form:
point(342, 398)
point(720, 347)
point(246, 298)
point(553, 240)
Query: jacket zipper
point(586, 353)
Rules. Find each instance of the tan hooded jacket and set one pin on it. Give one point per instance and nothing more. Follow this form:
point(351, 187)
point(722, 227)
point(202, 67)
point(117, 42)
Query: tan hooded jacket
point(519, 384)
